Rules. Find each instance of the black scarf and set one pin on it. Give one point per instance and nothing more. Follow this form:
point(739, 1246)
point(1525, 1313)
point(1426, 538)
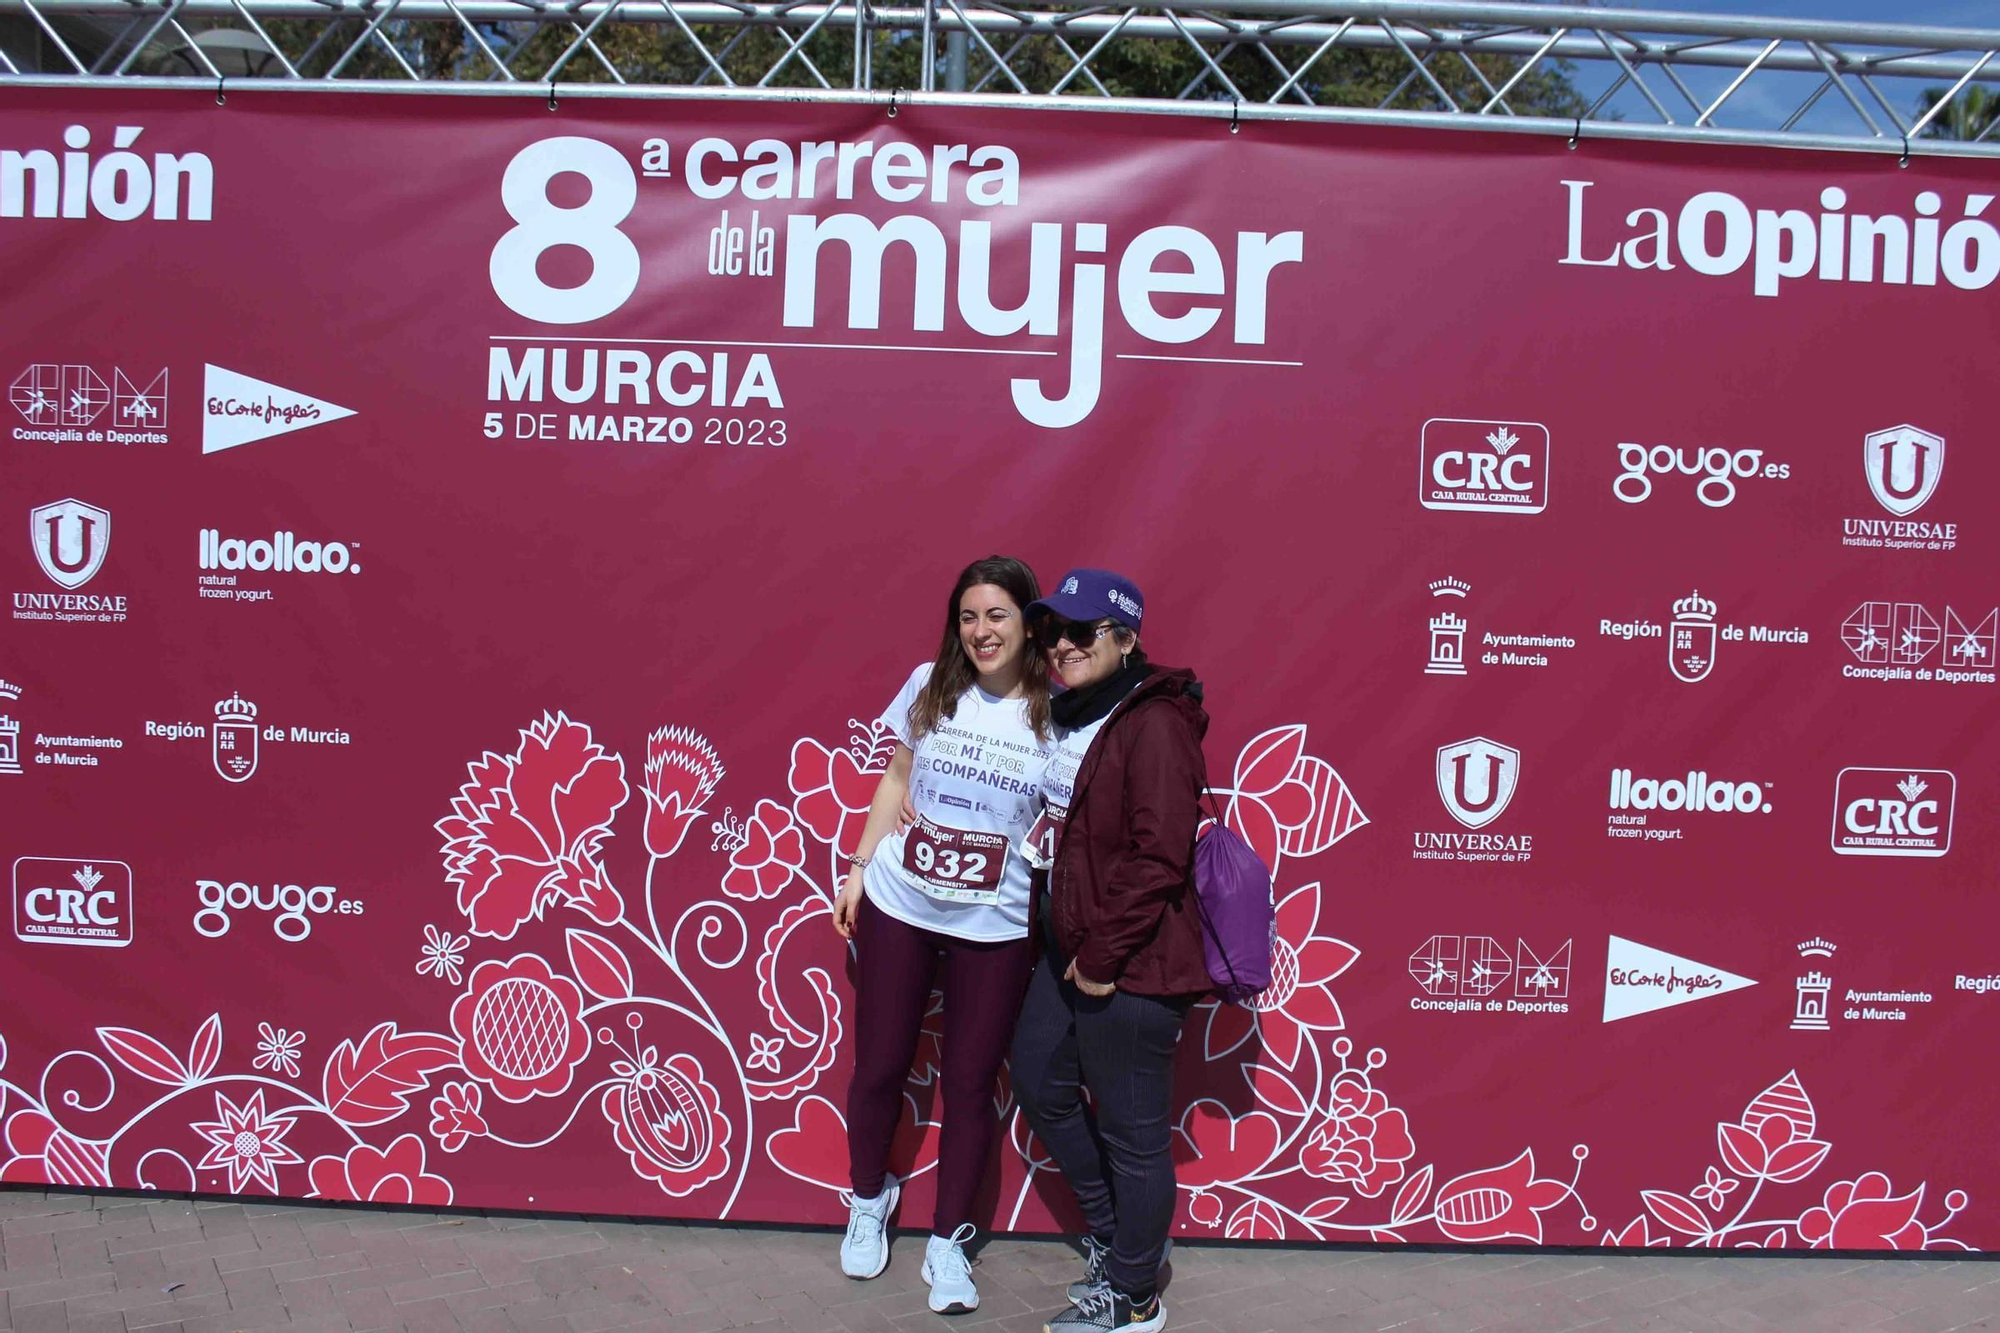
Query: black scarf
point(1081, 707)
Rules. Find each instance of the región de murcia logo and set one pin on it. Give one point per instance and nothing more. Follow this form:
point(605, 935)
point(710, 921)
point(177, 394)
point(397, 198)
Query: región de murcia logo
point(235, 738)
point(1696, 636)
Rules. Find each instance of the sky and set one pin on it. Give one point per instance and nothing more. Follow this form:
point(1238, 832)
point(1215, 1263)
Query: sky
point(1769, 97)
point(1950, 13)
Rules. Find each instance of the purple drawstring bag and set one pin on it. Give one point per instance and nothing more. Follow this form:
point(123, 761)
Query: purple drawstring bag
point(1232, 892)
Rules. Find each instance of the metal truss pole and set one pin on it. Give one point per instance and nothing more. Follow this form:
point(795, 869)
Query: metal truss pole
point(1809, 83)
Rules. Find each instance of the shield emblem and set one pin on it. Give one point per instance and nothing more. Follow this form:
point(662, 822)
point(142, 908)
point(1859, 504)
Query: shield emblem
point(1903, 465)
point(1476, 779)
point(1691, 649)
point(235, 748)
point(70, 540)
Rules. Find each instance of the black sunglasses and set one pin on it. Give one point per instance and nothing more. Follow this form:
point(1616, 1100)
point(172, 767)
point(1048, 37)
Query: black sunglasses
point(1052, 630)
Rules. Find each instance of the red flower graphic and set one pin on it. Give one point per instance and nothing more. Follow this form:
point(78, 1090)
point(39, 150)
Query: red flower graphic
point(1865, 1214)
point(377, 1175)
point(682, 771)
point(668, 1119)
point(1287, 802)
point(1303, 962)
point(1502, 1203)
point(525, 828)
point(41, 1153)
point(833, 791)
point(519, 1024)
point(455, 1116)
point(1775, 1139)
point(1364, 1143)
point(771, 853)
point(1212, 1147)
point(1637, 1233)
point(247, 1141)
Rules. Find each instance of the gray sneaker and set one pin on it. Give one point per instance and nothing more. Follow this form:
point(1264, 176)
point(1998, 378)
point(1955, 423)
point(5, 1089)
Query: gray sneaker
point(1095, 1255)
point(1108, 1310)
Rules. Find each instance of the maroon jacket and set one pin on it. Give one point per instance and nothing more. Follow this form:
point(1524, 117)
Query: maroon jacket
point(1123, 880)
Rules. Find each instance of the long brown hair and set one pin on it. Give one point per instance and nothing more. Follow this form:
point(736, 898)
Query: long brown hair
point(952, 673)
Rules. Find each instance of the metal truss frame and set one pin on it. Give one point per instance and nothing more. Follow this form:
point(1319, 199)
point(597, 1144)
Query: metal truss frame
point(1892, 87)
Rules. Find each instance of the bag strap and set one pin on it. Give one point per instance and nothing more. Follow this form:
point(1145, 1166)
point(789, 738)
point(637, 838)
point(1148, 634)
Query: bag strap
point(1200, 907)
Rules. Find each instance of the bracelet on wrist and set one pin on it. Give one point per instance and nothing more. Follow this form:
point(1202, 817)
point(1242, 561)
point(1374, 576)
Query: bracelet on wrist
point(857, 862)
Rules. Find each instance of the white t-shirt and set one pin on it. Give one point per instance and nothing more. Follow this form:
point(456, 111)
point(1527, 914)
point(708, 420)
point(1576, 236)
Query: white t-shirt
point(1058, 790)
point(976, 785)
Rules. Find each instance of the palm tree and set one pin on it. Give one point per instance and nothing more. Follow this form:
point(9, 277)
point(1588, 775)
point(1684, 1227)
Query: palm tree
point(1967, 117)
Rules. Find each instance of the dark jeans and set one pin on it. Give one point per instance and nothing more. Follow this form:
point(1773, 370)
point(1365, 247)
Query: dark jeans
point(894, 966)
point(1121, 1166)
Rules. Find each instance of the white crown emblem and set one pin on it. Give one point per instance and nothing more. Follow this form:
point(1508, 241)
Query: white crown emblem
point(1817, 947)
point(1069, 586)
point(1694, 607)
point(1449, 587)
point(235, 709)
point(87, 878)
point(9, 690)
point(1502, 439)
point(1912, 787)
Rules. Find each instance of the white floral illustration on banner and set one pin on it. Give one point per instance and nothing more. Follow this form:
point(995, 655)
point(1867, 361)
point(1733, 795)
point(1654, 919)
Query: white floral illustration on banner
point(278, 1050)
point(444, 954)
point(615, 1018)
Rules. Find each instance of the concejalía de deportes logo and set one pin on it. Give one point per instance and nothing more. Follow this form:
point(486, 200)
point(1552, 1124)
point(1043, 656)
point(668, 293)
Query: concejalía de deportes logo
point(1183, 263)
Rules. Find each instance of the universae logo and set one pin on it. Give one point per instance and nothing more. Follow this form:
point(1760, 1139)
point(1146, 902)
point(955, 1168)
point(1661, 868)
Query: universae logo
point(1904, 465)
point(1476, 779)
point(71, 539)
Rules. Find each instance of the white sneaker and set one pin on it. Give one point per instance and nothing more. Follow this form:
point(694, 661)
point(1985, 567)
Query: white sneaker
point(864, 1250)
point(950, 1273)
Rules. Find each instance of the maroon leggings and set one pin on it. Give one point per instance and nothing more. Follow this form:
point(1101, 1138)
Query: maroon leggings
point(983, 984)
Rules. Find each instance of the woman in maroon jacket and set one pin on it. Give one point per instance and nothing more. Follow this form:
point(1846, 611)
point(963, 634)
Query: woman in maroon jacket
point(1120, 942)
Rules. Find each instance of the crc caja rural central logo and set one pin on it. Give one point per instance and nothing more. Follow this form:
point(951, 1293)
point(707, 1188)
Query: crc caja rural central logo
point(63, 901)
point(1893, 811)
point(1484, 466)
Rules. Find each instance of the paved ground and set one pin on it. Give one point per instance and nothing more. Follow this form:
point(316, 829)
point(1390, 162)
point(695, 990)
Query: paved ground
point(107, 1264)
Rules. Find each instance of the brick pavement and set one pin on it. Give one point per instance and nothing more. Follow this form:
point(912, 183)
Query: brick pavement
point(80, 1264)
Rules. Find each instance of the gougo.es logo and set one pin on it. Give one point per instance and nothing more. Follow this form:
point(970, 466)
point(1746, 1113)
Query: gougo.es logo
point(295, 906)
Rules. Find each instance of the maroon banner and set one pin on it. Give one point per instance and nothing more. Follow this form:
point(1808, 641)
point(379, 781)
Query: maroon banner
point(458, 548)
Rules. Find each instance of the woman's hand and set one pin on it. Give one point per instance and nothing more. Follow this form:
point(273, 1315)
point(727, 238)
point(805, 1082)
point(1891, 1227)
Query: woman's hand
point(1091, 988)
point(847, 904)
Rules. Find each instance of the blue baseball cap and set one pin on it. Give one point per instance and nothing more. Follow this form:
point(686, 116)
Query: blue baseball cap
point(1092, 595)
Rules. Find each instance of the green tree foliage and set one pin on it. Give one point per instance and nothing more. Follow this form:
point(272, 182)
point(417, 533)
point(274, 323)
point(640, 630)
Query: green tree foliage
point(1172, 67)
point(1966, 116)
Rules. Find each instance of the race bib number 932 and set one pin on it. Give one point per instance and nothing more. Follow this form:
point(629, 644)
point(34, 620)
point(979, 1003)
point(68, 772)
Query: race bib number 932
point(955, 865)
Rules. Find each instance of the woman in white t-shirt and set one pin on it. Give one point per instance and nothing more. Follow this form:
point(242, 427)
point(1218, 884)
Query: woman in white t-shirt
point(974, 737)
